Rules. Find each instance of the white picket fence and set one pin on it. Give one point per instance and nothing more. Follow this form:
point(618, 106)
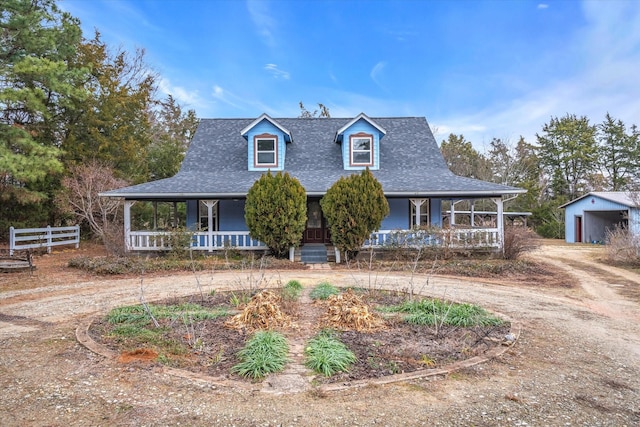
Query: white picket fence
point(32, 238)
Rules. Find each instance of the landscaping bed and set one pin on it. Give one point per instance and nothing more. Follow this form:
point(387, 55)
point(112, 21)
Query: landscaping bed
point(185, 339)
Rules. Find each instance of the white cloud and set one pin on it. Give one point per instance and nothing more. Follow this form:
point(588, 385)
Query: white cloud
point(376, 73)
point(188, 98)
point(543, 6)
point(226, 97)
point(608, 82)
point(265, 24)
point(276, 72)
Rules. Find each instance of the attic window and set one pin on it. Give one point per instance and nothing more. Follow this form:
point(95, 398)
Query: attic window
point(265, 150)
point(361, 147)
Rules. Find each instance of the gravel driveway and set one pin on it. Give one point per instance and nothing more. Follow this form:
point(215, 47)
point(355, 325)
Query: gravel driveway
point(577, 362)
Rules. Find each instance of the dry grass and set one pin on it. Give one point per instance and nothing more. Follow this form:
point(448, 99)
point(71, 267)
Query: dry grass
point(263, 311)
point(347, 311)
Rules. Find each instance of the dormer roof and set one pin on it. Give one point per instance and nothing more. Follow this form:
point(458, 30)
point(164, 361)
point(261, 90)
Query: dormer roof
point(244, 132)
point(361, 116)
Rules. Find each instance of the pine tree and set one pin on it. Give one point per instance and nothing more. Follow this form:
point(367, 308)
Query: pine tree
point(354, 207)
point(276, 212)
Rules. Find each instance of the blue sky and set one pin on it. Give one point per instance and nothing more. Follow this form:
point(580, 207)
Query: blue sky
point(483, 69)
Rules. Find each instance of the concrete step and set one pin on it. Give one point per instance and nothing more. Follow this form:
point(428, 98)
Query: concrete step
point(313, 254)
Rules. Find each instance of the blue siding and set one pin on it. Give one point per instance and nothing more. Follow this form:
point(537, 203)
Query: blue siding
point(265, 127)
point(231, 215)
point(361, 126)
point(192, 214)
point(398, 218)
point(435, 212)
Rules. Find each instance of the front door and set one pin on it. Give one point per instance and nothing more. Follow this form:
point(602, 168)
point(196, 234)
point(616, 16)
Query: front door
point(316, 231)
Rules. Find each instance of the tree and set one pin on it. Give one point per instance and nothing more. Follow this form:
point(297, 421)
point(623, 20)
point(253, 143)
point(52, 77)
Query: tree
point(171, 133)
point(112, 124)
point(618, 153)
point(37, 85)
point(464, 160)
point(306, 114)
point(276, 212)
point(79, 196)
point(354, 207)
point(568, 153)
point(518, 166)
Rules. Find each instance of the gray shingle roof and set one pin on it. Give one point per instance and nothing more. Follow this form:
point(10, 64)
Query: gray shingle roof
point(410, 162)
point(629, 199)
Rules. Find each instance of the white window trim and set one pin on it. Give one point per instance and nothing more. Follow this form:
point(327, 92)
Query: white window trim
point(360, 135)
point(262, 137)
point(208, 204)
point(424, 212)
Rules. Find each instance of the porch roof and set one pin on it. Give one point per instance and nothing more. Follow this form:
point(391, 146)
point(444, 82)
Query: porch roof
point(411, 164)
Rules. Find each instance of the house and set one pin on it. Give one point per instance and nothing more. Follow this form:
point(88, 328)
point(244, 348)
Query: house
point(227, 156)
point(590, 217)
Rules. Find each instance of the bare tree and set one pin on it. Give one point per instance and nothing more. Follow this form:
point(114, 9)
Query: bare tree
point(79, 195)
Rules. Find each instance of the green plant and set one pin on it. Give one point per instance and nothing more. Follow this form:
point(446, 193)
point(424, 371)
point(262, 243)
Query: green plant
point(437, 311)
point(323, 290)
point(327, 356)
point(265, 353)
point(138, 315)
point(292, 290)
point(276, 212)
point(180, 240)
point(354, 207)
point(237, 300)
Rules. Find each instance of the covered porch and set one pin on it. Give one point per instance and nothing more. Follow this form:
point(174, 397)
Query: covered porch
point(212, 225)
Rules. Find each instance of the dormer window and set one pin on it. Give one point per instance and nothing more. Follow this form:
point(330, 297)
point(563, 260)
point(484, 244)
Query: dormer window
point(266, 150)
point(361, 147)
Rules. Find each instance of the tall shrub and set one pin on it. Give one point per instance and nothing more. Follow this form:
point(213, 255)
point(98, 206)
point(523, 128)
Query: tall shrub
point(276, 212)
point(354, 207)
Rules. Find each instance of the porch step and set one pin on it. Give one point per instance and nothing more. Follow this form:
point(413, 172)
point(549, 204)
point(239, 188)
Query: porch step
point(313, 254)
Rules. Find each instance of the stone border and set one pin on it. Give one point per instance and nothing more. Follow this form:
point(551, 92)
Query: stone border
point(83, 337)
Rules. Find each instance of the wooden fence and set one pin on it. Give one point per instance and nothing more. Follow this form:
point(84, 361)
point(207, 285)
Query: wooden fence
point(32, 238)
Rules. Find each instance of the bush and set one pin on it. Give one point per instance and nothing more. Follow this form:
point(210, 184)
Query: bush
point(622, 246)
point(518, 240)
point(354, 207)
point(276, 212)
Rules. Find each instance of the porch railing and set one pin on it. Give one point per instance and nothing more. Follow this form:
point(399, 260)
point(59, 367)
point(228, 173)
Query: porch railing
point(200, 240)
point(454, 238)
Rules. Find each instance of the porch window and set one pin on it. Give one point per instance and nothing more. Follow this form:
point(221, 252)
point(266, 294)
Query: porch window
point(203, 218)
point(424, 214)
point(266, 150)
point(361, 147)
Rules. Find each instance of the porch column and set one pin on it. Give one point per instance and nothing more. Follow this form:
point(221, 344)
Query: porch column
point(472, 220)
point(210, 204)
point(127, 223)
point(155, 216)
point(175, 214)
point(452, 213)
point(417, 203)
point(500, 220)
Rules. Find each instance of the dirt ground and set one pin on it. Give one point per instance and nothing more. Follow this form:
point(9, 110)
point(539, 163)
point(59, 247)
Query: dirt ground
point(577, 360)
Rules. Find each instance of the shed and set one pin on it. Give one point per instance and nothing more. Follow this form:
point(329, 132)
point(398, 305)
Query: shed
point(588, 218)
